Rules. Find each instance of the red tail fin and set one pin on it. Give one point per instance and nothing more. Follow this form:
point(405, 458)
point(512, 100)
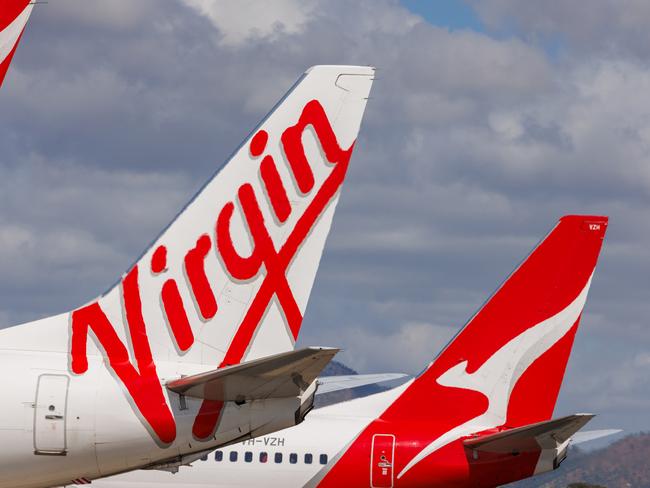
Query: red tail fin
point(13, 18)
point(521, 339)
point(504, 369)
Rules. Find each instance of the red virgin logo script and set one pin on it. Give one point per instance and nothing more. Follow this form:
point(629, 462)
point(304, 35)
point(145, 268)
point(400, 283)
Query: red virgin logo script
point(141, 380)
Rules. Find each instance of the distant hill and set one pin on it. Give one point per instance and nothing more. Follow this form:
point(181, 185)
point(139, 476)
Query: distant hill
point(624, 464)
point(335, 368)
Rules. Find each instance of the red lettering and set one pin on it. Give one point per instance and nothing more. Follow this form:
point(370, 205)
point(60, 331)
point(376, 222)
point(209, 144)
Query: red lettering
point(258, 143)
point(142, 384)
point(292, 143)
point(276, 263)
point(159, 260)
point(176, 315)
point(195, 268)
point(239, 267)
point(173, 303)
point(275, 189)
point(275, 281)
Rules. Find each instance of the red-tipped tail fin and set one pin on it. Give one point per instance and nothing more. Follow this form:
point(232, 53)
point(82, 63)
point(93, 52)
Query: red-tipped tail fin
point(13, 18)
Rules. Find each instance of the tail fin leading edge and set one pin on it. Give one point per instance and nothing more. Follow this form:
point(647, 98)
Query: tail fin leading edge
point(13, 18)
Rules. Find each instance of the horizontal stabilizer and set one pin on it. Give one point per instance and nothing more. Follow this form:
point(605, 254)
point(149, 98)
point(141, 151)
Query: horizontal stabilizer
point(592, 435)
point(328, 384)
point(543, 435)
point(283, 375)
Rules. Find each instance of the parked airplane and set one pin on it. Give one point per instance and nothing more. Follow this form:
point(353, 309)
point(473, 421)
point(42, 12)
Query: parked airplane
point(13, 18)
point(193, 347)
point(478, 416)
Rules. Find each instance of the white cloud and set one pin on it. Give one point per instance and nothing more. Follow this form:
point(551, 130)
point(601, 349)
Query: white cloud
point(612, 26)
point(614, 388)
point(409, 348)
point(116, 14)
point(241, 20)
point(68, 231)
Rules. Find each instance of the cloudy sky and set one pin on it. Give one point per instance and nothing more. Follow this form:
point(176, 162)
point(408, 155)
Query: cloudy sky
point(489, 120)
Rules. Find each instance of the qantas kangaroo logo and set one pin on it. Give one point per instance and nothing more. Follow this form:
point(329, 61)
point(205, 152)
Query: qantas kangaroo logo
point(140, 380)
point(504, 368)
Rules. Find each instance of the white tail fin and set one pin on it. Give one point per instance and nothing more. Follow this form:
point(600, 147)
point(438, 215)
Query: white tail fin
point(229, 279)
point(13, 18)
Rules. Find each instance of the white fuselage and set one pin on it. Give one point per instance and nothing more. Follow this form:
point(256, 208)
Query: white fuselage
point(62, 427)
point(288, 458)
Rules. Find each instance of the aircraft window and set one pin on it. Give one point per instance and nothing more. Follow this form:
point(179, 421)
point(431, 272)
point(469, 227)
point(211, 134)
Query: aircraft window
point(204, 457)
point(233, 456)
point(248, 456)
point(308, 458)
point(218, 455)
point(278, 457)
point(264, 457)
point(293, 458)
point(323, 459)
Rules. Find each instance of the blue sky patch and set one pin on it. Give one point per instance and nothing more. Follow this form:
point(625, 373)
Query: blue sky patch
point(454, 14)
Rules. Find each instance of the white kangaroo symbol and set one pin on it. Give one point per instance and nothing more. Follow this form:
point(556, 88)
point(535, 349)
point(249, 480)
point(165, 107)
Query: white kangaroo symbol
point(497, 377)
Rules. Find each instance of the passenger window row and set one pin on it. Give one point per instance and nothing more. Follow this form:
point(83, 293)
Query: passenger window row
point(233, 456)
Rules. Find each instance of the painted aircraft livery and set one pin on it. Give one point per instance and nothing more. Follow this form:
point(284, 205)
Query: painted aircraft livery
point(13, 18)
point(168, 361)
point(479, 416)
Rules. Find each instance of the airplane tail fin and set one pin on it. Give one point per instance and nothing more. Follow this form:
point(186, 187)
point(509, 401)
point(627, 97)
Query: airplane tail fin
point(495, 385)
point(505, 367)
point(230, 277)
point(13, 18)
point(511, 356)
